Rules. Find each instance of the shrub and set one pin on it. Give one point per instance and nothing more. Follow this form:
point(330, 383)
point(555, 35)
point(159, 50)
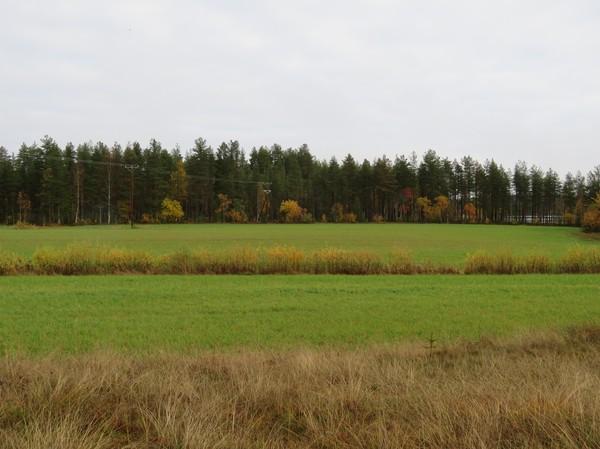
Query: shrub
point(423, 204)
point(171, 210)
point(442, 203)
point(147, 219)
point(470, 212)
point(591, 218)
point(569, 218)
point(224, 205)
point(24, 225)
point(377, 218)
point(237, 216)
point(591, 221)
point(290, 211)
point(337, 212)
point(349, 217)
point(307, 217)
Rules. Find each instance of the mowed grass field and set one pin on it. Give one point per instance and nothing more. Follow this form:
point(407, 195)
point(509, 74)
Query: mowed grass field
point(448, 244)
point(444, 244)
point(186, 313)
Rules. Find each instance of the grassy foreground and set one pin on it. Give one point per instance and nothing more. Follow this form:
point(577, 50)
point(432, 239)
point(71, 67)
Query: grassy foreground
point(184, 313)
point(535, 392)
point(446, 244)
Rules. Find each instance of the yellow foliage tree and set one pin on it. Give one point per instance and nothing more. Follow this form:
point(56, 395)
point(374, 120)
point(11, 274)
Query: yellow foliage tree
point(224, 205)
point(171, 210)
point(179, 182)
point(423, 204)
point(290, 211)
point(337, 212)
point(24, 206)
point(470, 212)
point(591, 218)
point(442, 203)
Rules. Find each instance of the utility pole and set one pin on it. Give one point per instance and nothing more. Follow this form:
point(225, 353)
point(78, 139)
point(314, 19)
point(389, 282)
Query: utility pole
point(258, 206)
point(131, 168)
point(260, 193)
point(77, 178)
point(109, 182)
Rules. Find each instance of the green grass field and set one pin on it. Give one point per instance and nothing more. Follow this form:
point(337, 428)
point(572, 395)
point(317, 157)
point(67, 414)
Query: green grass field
point(42, 314)
point(438, 243)
point(77, 314)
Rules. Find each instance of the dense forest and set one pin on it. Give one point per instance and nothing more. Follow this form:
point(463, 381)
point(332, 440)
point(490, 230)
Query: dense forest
point(95, 183)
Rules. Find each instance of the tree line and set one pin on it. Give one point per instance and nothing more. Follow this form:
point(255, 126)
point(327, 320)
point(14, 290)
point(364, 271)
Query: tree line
point(96, 183)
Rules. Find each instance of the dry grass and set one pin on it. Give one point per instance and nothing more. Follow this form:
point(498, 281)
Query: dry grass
point(580, 260)
point(283, 260)
point(339, 261)
point(531, 392)
point(577, 260)
point(84, 259)
point(11, 264)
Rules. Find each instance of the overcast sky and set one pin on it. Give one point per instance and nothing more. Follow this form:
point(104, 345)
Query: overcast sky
point(509, 80)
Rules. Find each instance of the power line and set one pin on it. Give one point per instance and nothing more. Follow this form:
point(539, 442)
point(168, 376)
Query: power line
point(125, 166)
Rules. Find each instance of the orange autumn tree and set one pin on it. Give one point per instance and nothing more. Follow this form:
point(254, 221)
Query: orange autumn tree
point(442, 203)
point(591, 218)
point(470, 212)
point(224, 205)
point(290, 211)
point(423, 205)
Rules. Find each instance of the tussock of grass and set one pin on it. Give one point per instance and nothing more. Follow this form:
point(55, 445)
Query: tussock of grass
point(24, 225)
point(83, 259)
point(338, 261)
point(11, 263)
point(580, 260)
point(577, 260)
point(536, 263)
point(283, 260)
point(537, 391)
point(485, 263)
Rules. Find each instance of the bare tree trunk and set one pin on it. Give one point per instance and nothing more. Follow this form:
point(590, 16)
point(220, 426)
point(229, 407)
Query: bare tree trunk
point(109, 170)
point(77, 173)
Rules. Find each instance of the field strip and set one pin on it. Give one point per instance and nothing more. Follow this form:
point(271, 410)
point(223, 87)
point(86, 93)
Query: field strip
point(186, 313)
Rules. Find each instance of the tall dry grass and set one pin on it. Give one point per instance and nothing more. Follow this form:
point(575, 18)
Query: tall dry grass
point(577, 260)
point(531, 392)
point(80, 259)
point(11, 264)
point(85, 259)
point(580, 260)
point(283, 260)
point(339, 261)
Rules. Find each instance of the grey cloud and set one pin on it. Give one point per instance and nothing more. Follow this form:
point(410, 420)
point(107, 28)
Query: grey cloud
point(507, 80)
